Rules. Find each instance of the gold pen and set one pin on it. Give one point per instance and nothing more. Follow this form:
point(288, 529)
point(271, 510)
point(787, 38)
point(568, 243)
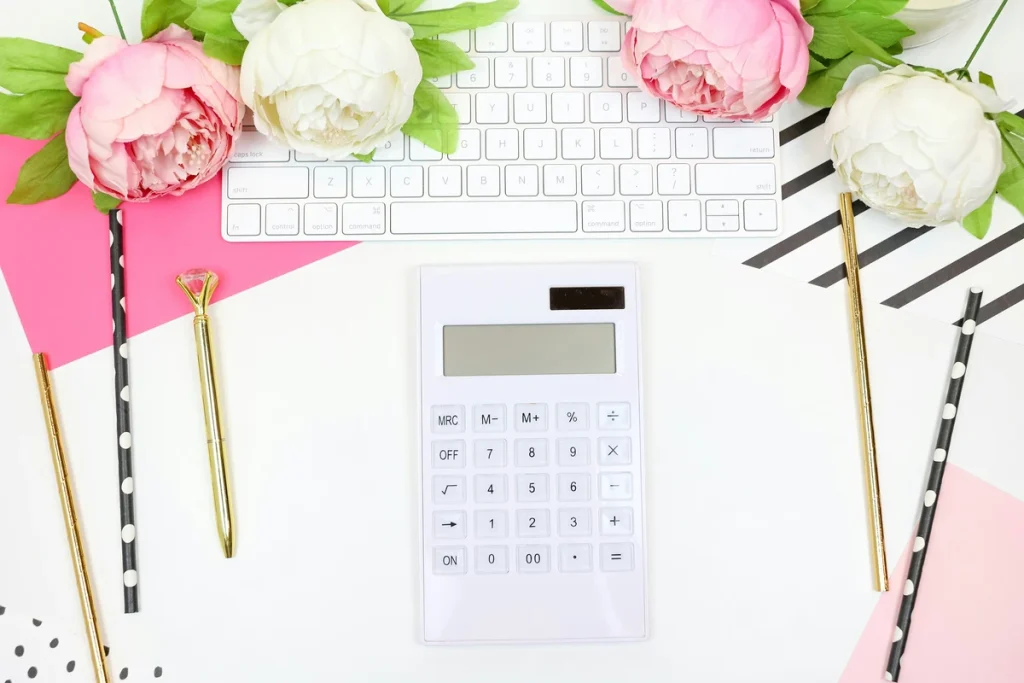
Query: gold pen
point(867, 422)
point(71, 522)
point(199, 286)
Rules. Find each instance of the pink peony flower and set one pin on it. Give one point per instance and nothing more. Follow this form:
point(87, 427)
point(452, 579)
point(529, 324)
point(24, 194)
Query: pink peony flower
point(731, 59)
point(156, 118)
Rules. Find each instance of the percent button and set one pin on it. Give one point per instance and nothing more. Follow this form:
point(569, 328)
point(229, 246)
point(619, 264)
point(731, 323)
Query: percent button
point(573, 417)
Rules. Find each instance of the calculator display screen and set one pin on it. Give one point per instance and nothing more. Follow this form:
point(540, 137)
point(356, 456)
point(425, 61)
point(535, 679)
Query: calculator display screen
point(550, 349)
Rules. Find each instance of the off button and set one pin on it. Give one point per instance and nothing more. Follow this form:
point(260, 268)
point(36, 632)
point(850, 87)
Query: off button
point(448, 419)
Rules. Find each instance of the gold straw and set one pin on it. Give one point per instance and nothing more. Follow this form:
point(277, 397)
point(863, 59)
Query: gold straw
point(867, 423)
point(67, 501)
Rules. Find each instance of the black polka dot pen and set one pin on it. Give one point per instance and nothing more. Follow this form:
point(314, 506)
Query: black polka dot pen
point(122, 408)
point(931, 495)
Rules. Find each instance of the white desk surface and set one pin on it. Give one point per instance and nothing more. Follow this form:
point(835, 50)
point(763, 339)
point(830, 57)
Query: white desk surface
point(924, 275)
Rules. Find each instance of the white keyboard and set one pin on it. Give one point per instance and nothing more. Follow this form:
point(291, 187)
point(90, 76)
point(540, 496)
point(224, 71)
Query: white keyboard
point(555, 141)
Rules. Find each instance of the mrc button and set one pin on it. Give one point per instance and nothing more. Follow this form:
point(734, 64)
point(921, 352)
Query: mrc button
point(447, 419)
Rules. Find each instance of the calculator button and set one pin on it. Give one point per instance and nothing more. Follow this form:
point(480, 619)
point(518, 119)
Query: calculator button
point(533, 523)
point(490, 488)
point(491, 523)
point(531, 417)
point(573, 416)
point(614, 451)
point(616, 521)
point(448, 419)
point(449, 489)
point(574, 522)
point(617, 486)
point(574, 557)
point(573, 452)
point(489, 418)
point(450, 524)
point(492, 559)
point(489, 453)
point(533, 558)
point(532, 488)
point(448, 454)
point(531, 452)
point(574, 487)
point(613, 415)
point(616, 557)
point(450, 560)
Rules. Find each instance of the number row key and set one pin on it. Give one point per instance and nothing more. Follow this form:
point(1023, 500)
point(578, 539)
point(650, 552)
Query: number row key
point(613, 521)
point(531, 488)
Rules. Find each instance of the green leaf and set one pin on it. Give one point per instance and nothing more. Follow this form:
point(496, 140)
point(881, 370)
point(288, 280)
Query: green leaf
point(1011, 183)
point(27, 66)
point(467, 16)
point(823, 86)
point(385, 6)
point(815, 66)
point(434, 120)
point(829, 6)
point(807, 5)
point(35, 116)
point(104, 203)
point(1010, 123)
point(978, 221)
point(608, 8)
point(159, 14)
point(227, 50)
point(365, 158)
point(45, 175)
point(404, 6)
point(830, 39)
point(213, 17)
point(868, 48)
point(441, 57)
point(885, 8)
point(986, 79)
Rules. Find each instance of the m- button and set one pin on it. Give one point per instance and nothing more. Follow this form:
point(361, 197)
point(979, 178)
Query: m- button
point(489, 418)
point(447, 419)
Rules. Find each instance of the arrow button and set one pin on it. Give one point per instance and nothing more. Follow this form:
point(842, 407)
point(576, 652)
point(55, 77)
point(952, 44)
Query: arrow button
point(450, 524)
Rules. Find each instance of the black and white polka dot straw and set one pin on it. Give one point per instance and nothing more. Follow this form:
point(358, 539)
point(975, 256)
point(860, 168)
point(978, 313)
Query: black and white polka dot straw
point(126, 481)
point(931, 495)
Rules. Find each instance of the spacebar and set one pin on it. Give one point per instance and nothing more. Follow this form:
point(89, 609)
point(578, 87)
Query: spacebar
point(482, 218)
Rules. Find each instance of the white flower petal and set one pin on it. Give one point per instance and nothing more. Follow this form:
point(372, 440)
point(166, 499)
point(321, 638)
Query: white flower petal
point(252, 16)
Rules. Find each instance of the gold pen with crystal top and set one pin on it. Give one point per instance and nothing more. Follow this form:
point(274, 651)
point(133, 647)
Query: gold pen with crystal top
point(199, 286)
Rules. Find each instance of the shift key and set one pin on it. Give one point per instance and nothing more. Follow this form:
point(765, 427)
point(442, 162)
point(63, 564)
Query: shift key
point(733, 179)
point(268, 183)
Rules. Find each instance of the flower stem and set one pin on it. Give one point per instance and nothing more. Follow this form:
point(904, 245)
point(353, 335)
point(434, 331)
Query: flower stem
point(120, 29)
point(89, 30)
point(984, 35)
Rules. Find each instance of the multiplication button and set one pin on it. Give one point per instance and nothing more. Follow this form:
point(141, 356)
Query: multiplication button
point(531, 417)
point(614, 451)
point(450, 560)
point(616, 557)
point(447, 419)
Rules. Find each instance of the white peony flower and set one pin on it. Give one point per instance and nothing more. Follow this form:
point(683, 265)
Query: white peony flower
point(915, 145)
point(327, 77)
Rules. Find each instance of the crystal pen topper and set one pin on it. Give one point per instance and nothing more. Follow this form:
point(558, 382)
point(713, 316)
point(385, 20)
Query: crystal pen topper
point(199, 286)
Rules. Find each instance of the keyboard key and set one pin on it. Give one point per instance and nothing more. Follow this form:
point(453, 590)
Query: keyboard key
point(573, 417)
point(604, 36)
point(533, 559)
point(282, 219)
point(447, 419)
point(531, 417)
point(549, 72)
point(684, 215)
point(616, 557)
point(574, 487)
point(268, 182)
point(362, 218)
point(443, 181)
point(490, 488)
point(674, 179)
point(618, 77)
point(676, 115)
point(586, 72)
point(468, 147)
point(461, 103)
point(616, 486)
point(448, 454)
point(604, 216)
point(723, 223)
point(733, 179)
point(253, 146)
point(330, 182)
point(493, 38)
point(575, 557)
point(573, 452)
point(490, 524)
point(502, 144)
point(449, 489)
point(510, 72)
point(483, 217)
point(540, 144)
point(483, 181)
point(645, 216)
point(450, 524)
point(460, 38)
point(491, 559)
point(406, 181)
point(616, 521)
point(492, 107)
point(521, 180)
point(477, 77)
point(744, 142)
point(605, 107)
point(528, 36)
point(489, 453)
point(636, 179)
point(574, 522)
point(691, 143)
point(567, 107)
point(533, 523)
point(367, 181)
point(642, 108)
point(243, 220)
point(419, 151)
point(722, 207)
point(559, 180)
point(613, 416)
point(616, 143)
point(449, 560)
point(306, 156)
point(567, 36)
point(654, 143)
point(530, 107)
point(489, 418)
point(760, 215)
point(442, 82)
point(531, 452)
point(614, 451)
point(598, 180)
point(532, 488)
point(320, 219)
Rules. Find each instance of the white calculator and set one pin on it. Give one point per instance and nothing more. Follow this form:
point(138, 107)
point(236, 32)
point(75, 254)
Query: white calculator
point(532, 454)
